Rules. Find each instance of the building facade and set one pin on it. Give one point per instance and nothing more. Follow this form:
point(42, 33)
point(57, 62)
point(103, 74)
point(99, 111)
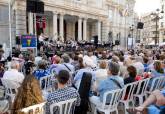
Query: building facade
point(162, 23)
point(71, 19)
point(149, 30)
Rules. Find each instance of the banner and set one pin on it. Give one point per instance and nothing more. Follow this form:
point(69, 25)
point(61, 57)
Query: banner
point(40, 22)
point(29, 41)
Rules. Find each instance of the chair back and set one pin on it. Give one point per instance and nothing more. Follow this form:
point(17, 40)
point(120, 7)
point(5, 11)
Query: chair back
point(161, 83)
point(65, 107)
point(11, 88)
point(35, 109)
point(111, 99)
point(129, 91)
point(142, 86)
point(154, 83)
point(45, 82)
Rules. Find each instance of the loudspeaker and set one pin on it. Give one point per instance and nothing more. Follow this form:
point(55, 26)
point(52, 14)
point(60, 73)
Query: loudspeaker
point(117, 42)
point(95, 40)
point(30, 6)
point(35, 6)
point(140, 25)
point(39, 7)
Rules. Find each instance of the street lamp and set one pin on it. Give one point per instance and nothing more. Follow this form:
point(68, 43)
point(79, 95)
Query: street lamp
point(156, 19)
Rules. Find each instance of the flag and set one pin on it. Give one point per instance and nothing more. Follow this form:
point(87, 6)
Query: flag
point(40, 22)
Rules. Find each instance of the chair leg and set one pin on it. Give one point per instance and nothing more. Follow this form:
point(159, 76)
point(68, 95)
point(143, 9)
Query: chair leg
point(95, 111)
point(117, 111)
point(140, 100)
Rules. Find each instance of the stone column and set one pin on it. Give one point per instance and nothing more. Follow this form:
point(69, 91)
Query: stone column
point(62, 26)
point(85, 29)
point(99, 30)
point(30, 23)
point(54, 25)
point(79, 29)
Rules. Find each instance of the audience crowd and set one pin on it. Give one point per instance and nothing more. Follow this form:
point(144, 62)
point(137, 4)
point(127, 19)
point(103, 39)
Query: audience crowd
point(108, 70)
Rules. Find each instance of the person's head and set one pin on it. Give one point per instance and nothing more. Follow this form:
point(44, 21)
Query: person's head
point(56, 60)
point(29, 87)
point(65, 58)
point(31, 57)
point(115, 59)
point(158, 67)
point(121, 58)
point(63, 77)
point(145, 60)
point(90, 52)
point(132, 71)
point(15, 65)
point(75, 58)
point(80, 60)
point(103, 64)
point(113, 68)
point(42, 64)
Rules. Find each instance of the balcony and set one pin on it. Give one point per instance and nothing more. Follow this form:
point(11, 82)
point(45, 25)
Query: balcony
point(87, 6)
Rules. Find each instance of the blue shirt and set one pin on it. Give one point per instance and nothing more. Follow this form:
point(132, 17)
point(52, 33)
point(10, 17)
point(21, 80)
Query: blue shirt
point(108, 85)
point(154, 73)
point(58, 67)
point(41, 73)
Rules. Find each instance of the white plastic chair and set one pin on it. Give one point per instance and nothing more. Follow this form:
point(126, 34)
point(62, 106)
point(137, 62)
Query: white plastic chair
point(141, 89)
point(46, 82)
point(127, 96)
point(65, 107)
point(35, 109)
point(11, 88)
point(154, 84)
point(110, 106)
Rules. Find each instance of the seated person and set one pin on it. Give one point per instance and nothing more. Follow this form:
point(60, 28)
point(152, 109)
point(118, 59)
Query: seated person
point(63, 92)
point(62, 64)
point(101, 73)
point(88, 65)
point(112, 82)
point(157, 98)
point(131, 75)
point(158, 70)
point(28, 94)
point(13, 74)
point(42, 70)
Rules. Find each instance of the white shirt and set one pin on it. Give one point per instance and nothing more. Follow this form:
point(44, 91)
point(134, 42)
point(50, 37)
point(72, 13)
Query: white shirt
point(139, 67)
point(41, 38)
point(14, 75)
point(37, 59)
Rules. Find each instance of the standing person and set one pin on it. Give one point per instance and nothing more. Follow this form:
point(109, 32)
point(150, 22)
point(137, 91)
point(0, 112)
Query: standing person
point(28, 94)
point(63, 92)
